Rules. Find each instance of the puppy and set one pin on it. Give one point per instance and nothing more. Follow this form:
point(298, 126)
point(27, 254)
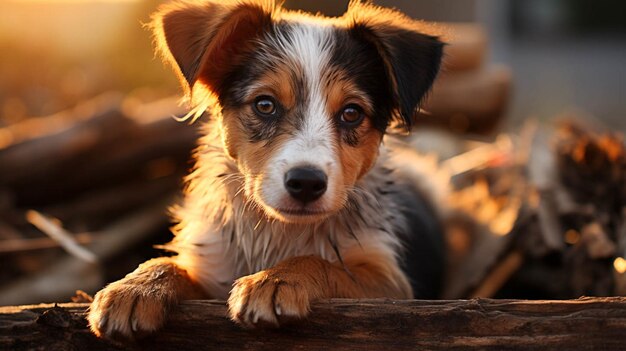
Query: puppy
point(294, 196)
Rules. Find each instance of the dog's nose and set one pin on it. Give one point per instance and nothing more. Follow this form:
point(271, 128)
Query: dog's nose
point(306, 184)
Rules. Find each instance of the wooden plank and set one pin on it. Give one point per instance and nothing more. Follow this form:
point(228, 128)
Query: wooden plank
point(339, 324)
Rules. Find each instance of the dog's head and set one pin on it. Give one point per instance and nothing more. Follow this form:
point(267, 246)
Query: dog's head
point(305, 100)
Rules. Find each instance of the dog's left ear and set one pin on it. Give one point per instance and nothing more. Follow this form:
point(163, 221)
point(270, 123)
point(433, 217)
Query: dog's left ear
point(411, 56)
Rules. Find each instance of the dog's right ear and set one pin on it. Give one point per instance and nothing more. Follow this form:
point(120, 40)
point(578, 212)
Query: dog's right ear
point(203, 40)
point(410, 50)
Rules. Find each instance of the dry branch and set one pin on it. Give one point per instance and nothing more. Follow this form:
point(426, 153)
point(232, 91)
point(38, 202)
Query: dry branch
point(23, 245)
point(584, 324)
point(63, 237)
point(62, 278)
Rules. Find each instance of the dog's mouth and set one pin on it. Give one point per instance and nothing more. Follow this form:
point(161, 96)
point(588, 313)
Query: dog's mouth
point(301, 212)
point(299, 215)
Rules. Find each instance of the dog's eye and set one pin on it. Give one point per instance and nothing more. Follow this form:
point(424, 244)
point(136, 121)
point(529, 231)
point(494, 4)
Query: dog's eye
point(265, 106)
point(351, 115)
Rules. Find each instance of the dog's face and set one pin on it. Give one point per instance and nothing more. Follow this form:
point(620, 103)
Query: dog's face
point(304, 100)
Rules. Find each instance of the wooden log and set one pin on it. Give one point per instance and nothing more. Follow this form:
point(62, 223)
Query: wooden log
point(467, 46)
point(36, 154)
point(31, 129)
point(469, 102)
point(108, 144)
point(97, 208)
point(338, 324)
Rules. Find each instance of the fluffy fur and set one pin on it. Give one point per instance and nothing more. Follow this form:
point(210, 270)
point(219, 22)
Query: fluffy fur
point(287, 91)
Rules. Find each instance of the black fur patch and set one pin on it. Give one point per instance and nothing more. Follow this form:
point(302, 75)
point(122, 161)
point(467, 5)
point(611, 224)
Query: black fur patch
point(413, 59)
point(364, 65)
point(350, 137)
point(423, 259)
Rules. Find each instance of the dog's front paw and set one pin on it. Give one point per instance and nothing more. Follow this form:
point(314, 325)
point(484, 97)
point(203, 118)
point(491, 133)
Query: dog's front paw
point(268, 298)
point(124, 311)
point(138, 304)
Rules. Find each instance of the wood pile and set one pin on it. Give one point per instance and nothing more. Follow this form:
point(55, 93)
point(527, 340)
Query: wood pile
point(470, 96)
point(541, 219)
point(98, 177)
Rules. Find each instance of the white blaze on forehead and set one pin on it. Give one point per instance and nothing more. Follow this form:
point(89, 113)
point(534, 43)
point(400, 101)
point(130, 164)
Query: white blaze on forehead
point(308, 47)
point(311, 48)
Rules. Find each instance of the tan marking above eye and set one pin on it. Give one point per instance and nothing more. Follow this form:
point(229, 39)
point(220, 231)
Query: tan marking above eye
point(342, 92)
point(277, 84)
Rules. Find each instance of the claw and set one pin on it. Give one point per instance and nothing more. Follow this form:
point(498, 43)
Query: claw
point(255, 317)
point(103, 323)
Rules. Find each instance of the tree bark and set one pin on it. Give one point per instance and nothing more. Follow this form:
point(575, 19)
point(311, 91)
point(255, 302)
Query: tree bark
point(583, 324)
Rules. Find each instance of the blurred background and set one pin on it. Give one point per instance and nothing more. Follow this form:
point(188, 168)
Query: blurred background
point(90, 156)
point(564, 53)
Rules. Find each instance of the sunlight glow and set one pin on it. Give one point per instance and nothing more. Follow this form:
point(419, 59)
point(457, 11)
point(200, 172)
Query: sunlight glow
point(620, 265)
point(70, 1)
